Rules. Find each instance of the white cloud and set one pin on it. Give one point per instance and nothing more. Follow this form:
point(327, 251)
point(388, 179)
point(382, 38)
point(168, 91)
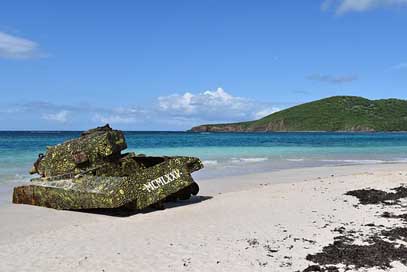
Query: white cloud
point(172, 112)
point(216, 106)
point(60, 117)
point(264, 112)
point(13, 47)
point(188, 109)
point(344, 6)
point(177, 102)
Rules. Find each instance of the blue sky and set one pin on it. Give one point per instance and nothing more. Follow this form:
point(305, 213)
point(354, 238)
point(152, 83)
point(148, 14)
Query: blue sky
point(168, 65)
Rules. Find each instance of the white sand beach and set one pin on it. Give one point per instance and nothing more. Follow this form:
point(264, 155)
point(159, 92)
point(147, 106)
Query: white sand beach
point(260, 222)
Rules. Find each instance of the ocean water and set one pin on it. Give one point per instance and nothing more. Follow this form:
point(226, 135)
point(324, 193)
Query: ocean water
point(222, 153)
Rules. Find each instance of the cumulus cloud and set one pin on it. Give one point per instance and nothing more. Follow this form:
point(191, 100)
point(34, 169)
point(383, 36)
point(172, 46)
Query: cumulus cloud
point(187, 109)
point(205, 102)
point(60, 117)
point(332, 79)
point(172, 112)
point(344, 6)
point(13, 47)
point(213, 106)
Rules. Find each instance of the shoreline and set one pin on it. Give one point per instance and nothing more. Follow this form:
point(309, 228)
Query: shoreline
point(255, 222)
point(235, 183)
point(231, 182)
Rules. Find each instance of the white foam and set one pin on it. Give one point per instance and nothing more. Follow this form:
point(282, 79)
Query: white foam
point(295, 160)
point(399, 160)
point(357, 161)
point(249, 160)
point(210, 162)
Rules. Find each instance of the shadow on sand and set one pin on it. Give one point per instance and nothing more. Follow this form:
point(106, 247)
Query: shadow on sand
point(125, 212)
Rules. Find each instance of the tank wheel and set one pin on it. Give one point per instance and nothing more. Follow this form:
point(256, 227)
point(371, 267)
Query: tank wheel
point(194, 188)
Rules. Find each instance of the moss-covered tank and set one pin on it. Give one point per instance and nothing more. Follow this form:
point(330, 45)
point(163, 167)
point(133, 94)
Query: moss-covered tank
point(91, 172)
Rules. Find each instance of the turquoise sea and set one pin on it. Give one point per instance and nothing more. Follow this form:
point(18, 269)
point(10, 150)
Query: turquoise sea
point(222, 153)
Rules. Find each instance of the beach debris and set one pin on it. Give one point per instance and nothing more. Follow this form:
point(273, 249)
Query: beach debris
point(398, 233)
point(379, 249)
point(378, 253)
point(186, 262)
point(399, 216)
point(261, 263)
point(317, 268)
point(253, 242)
point(373, 196)
point(90, 172)
point(269, 250)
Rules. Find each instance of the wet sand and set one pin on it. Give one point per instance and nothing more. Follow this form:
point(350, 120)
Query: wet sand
point(259, 222)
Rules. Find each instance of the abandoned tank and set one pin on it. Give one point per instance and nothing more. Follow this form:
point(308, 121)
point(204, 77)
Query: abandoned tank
point(91, 172)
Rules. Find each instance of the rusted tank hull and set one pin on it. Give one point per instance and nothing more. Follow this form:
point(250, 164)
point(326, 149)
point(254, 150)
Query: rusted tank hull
point(170, 179)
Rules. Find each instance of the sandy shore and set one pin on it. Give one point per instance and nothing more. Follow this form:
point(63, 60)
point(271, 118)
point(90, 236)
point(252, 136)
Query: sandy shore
point(261, 222)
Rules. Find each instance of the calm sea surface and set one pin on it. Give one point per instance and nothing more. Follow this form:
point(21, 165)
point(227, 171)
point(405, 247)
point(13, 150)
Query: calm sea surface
point(222, 153)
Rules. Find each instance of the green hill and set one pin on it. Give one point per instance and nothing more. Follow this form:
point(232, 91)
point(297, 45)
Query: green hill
point(338, 113)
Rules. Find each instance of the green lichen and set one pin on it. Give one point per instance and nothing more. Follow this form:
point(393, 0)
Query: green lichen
point(90, 172)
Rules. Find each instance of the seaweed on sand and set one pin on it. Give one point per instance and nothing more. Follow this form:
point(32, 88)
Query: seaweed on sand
point(317, 268)
point(380, 250)
point(403, 217)
point(378, 253)
point(373, 196)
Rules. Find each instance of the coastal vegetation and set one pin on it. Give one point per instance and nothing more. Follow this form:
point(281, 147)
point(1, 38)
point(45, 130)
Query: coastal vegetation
point(337, 113)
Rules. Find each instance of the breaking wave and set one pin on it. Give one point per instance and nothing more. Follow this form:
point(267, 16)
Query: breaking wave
point(210, 162)
point(249, 160)
point(357, 161)
point(295, 160)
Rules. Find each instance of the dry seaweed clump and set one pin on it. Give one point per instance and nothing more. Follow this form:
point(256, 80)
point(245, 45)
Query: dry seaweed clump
point(399, 233)
point(400, 216)
point(317, 268)
point(378, 253)
point(379, 249)
point(373, 196)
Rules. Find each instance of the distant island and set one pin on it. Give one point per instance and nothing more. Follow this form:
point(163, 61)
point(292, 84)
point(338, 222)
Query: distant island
point(337, 113)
